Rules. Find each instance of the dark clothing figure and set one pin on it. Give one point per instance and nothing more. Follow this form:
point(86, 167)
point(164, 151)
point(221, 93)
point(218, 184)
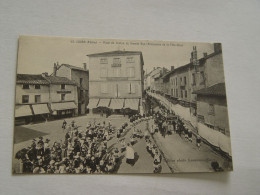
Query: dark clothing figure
point(64, 124)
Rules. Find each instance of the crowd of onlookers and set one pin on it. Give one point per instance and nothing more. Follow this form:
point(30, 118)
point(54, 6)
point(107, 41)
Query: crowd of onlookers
point(87, 151)
point(84, 151)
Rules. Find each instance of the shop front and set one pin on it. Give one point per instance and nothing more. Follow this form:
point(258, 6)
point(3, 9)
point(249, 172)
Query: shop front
point(63, 109)
point(23, 114)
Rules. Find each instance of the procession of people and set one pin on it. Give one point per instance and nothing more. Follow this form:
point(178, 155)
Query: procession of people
point(86, 150)
point(167, 125)
point(83, 150)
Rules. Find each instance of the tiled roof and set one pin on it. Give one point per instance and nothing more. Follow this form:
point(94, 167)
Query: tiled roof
point(59, 80)
point(73, 67)
point(42, 80)
point(153, 71)
point(31, 79)
point(215, 90)
point(190, 64)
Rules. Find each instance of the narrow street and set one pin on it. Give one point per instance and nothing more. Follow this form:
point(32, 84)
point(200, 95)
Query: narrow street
point(184, 156)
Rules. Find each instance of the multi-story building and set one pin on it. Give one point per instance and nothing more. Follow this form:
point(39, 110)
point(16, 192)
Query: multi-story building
point(153, 81)
point(181, 82)
point(78, 75)
point(149, 78)
point(40, 96)
point(197, 92)
point(63, 96)
point(212, 107)
point(32, 97)
point(116, 80)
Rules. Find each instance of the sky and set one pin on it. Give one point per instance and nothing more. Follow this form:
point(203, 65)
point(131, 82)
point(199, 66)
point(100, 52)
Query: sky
point(38, 54)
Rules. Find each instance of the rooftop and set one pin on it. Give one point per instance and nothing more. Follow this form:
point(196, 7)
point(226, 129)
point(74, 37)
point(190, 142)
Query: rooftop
point(34, 79)
point(73, 67)
point(189, 64)
point(215, 90)
point(118, 53)
point(31, 79)
point(59, 80)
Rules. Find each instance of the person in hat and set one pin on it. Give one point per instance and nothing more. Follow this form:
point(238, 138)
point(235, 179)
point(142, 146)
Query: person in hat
point(118, 135)
point(190, 135)
point(47, 146)
point(164, 128)
point(64, 124)
point(32, 153)
point(39, 147)
point(116, 155)
point(33, 145)
point(40, 141)
point(198, 142)
point(93, 163)
point(132, 140)
point(186, 133)
point(157, 166)
point(98, 156)
point(72, 123)
point(102, 164)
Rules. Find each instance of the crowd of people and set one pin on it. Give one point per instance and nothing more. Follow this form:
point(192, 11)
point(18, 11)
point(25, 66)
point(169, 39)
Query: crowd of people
point(167, 126)
point(86, 150)
point(82, 151)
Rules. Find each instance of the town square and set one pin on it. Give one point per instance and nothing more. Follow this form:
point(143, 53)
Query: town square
point(112, 114)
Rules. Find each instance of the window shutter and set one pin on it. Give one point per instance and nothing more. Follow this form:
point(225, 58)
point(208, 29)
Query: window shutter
point(132, 88)
point(103, 88)
point(129, 87)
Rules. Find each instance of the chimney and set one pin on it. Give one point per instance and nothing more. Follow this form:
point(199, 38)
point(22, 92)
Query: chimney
point(172, 68)
point(205, 54)
point(217, 47)
point(193, 58)
point(54, 69)
point(45, 74)
point(85, 66)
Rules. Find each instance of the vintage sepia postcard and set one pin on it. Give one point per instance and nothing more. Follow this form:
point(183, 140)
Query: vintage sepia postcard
point(99, 106)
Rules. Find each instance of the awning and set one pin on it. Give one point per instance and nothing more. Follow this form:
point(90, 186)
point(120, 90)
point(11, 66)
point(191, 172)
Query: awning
point(93, 103)
point(116, 103)
point(23, 110)
point(132, 104)
point(40, 109)
point(103, 103)
point(63, 106)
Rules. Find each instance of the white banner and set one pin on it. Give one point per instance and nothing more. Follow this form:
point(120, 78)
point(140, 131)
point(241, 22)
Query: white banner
point(216, 138)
